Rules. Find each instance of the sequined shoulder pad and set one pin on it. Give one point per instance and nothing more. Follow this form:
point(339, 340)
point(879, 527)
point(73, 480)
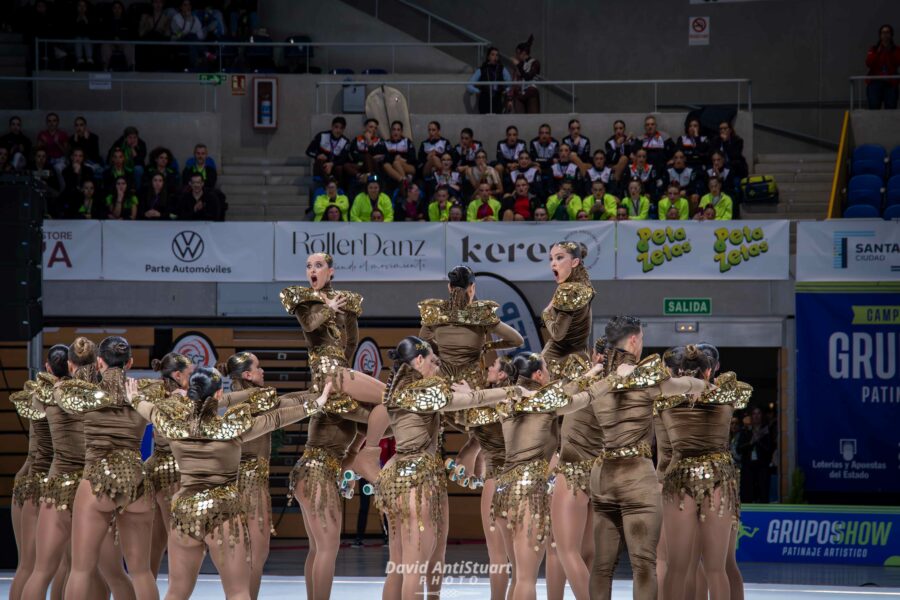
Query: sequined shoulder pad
point(432, 312)
point(480, 313)
point(649, 372)
point(729, 391)
point(571, 295)
point(42, 388)
point(295, 295)
point(666, 402)
point(479, 417)
point(22, 401)
point(425, 395)
point(262, 400)
point(352, 302)
point(233, 423)
point(76, 396)
point(173, 414)
point(153, 390)
point(547, 399)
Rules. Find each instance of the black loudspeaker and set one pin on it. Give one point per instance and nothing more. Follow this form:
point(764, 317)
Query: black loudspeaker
point(21, 217)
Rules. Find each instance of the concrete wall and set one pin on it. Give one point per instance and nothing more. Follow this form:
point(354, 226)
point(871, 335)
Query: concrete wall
point(876, 127)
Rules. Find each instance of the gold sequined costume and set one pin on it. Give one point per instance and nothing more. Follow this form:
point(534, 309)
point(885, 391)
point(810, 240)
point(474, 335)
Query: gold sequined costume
point(29, 481)
point(161, 469)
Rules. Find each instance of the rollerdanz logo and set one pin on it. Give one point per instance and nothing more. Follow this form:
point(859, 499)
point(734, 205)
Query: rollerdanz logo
point(188, 246)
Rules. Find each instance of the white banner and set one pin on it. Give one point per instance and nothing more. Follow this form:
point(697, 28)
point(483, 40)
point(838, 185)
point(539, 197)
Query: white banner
point(188, 251)
point(514, 309)
point(362, 251)
point(848, 250)
point(520, 251)
point(718, 250)
point(72, 250)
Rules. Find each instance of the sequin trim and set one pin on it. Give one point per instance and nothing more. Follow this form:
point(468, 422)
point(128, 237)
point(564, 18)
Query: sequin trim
point(480, 313)
point(571, 296)
point(637, 450)
point(293, 296)
point(698, 477)
point(119, 476)
point(547, 399)
point(421, 475)
point(572, 367)
point(428, 394)
point(28, 488)
point(577, 474)
point(327, 363)
point(161, 473)
point(319, 472)
point(648, 373)
point(205, 513)
point(521, 490)
point(21, 400)
point(59, 490)
point(253, 483)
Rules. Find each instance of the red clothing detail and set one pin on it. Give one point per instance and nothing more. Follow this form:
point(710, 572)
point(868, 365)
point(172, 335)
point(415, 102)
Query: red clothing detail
point(883, 61)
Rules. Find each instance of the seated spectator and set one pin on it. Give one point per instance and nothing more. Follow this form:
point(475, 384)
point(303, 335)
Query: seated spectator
point(377, 216)
point(88, 143)
point(482, 171)
point(331, 197)
point(673, 200)
point(135, 151)
point(636, 203)
point(410, 207)
point(17, 143)
point(564, 168)
point(42, 171)
point(118, 28)
point(76, 173)
point(622, 214)
point(564, 204)
point(579, 144)
point(599, 171)
point(368, 151)
point(160, 163)
point(330, 151)
point(719, 169)
point(525, 97)
point(508, 151)
point(154, 203)
point(483, 207)
point(600, 204)
point(200, 164)
point(213, 21)
point(641, 170)
point(55, 142)
point(707, 214)
point(544, 149)
point(484, 83)
point(333, 214)
point(731, 146)
point(83, 30)
point(5, 167)
point(582, 216)
point(456, 214)
point(719, 200)
point(440, 205)
point(672, 214)
point(121, 204)
point(530, 171)
point(432, 149)
point(243, 17)
point(694, 145)
point(199, 202)
point(400, 162)
point(883, 59)
point(688, 179)
point(619, 148)
point(367, 202)
point(448, 176)
point(466, 149)
point(87, 207)
point(154, 26)
point(187, 27)
point(520, 205)
point(659, 146)
point(117, 168)
point(541, 215)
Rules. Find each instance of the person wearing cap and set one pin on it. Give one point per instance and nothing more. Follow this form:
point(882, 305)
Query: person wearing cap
point(371, 199)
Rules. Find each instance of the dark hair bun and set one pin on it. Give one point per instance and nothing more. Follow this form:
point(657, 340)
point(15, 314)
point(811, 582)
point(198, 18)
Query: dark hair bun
point(156, 364)
point(393, 354)
point(83, 350)
point(461, 277)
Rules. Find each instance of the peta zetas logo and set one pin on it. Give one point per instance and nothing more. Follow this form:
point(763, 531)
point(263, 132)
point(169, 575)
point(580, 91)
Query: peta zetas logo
point(187, 246)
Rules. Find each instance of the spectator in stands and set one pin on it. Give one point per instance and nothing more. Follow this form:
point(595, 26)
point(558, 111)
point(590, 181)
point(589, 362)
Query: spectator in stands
point(694, 145)
point(17, 143)
point(440, 205)
point(368, 151)
point(719, 169)
point(243, 19)
point(565, 168)
point(619, 148)
point(432, 149)
point(83, 29)
point(483, 207)
point(333, 214)
point(199, 202)
point(331, 197)
point(55, 142)
point(659, 146)
point(122, 204)
point(367, 202)
point(600, 204)
point(42, 170)
point(135, 152)
point(520, 205)
point(672, 214)
point(673, 200)
point(88, 207)
point(448, 176)
point(482, 171)
point(117, 28)
point(117, 168)
point(87, 142)
point(600, 171)
point(76, 173)
point(731, 146)
point(530, 171)
point(688, 179)
point(508, 151)
point(636, 203)
point(186, 27)
point(883, 59)
point(456, 214)
point(719, 200)
point(484, 83)
point(213, 21)
point(642, 170)
point(579, 144)
point(377, 216)
point(564, 204)
point(5, 167)
point(160, 163)
point(541, 215)
point(400, 162)
point(525, 96)
point(411, 206)
point(622, 214)
point(465, 150)
point(154, 26)
point(154, 204)
point(200, 164)
point(582, 216)
point(330, 151)
point(544, 149)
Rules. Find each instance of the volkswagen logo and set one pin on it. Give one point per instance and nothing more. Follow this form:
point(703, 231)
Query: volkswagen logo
point(187, 246)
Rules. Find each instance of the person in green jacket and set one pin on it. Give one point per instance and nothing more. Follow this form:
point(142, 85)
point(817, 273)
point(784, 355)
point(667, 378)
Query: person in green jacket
point(673, 199)
point(600, 205)
point(720, 201)
point(564, 204)
point(361, 211)
point(483, 198)
point(637, 204)
point(439, 207)
point(331, 197)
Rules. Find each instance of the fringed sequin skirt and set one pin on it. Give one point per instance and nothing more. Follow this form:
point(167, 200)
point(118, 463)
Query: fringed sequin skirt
point(422, 475)
point(161, 473)
point(204, 513)
point(698, 477)
point(119, 476)
point(59, 490)
point(253, 483)
point(327, 363)
point(320, 472)
point(28, 488)
point(577, 475)
point(521, 490)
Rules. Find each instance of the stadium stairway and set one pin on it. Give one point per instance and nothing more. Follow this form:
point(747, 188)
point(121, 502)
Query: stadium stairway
point(262, 189)
point(804, 186)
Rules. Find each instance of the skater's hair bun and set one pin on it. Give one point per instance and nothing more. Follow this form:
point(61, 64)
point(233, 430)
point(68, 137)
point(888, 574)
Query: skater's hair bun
point(461, 276)
point(57, 358)
point(527, 364)
point(115, 351)
point(82, 352)
point(620, 327)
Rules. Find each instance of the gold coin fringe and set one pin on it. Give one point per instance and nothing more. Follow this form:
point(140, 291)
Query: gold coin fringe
point(119, 476)
point(319, 472)
point(205, 513)
point(521, 490)
point(253, 483)
point(577, 474)
point(59, 490)
point(698, 477)
point(27, 488)
point(161, 474)
point(421, 475)
point(328, 363)
point(637, 450)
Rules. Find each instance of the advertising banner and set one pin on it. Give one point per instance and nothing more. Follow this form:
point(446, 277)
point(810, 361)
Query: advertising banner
point(847, 535)
point(514, 310)
point(362, 251)
point(848, 250)
point(716, 250)
point(520, 251)
point(194, 251)
point(848, 391)
point(72, 250)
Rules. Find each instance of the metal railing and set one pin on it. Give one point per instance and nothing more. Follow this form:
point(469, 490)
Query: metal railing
point(855, 82)
point(743, 86)
point(227, 52)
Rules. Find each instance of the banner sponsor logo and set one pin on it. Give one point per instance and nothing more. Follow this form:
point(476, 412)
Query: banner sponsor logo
point(72, 250)
point(656, 247)
point(842, 250)
point(188, 246)
point(514, 310)
point(368, 358)
point(198, 348)
point(738, 245)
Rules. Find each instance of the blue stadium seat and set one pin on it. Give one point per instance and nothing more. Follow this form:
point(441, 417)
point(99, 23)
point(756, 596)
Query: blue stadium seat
point(892, 212)
point(870, 197)
point(865, 182)
point(869, 152)
point(861, 211)
point(374, 72)
point(895, 161)
point(869, 167)
point(892, 197)
point(893, 183)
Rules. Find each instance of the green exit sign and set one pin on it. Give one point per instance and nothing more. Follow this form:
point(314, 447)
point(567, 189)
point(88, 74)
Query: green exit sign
point(687, 306)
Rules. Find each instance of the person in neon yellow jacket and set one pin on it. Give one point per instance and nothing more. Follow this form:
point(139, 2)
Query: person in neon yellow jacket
point(372, 198)
point(331, 197)
point(439, 207)
point(600, 205)
point(637, 204)
point(564, 204)
point(720, 201)
point(673, 199)
point(483, 206)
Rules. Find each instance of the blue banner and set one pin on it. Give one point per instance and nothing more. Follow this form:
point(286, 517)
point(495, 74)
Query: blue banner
point(848, 391)
point(848, 535)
